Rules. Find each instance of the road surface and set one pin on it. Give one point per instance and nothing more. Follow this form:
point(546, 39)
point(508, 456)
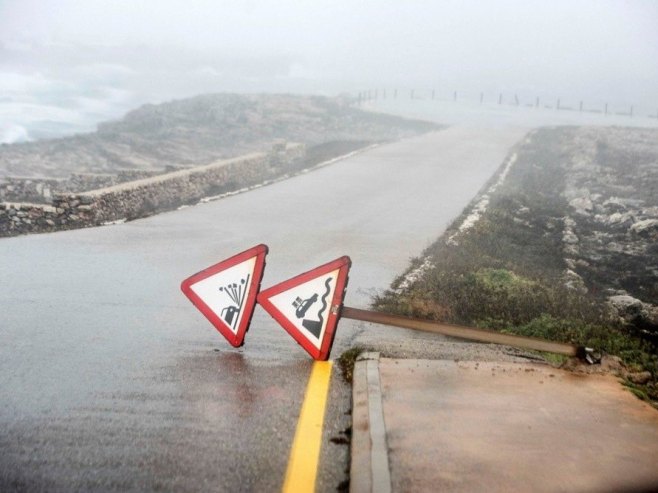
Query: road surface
point(111, 380)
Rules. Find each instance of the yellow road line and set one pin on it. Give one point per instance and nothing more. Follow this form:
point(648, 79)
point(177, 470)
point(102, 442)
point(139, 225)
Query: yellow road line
point(305, 453)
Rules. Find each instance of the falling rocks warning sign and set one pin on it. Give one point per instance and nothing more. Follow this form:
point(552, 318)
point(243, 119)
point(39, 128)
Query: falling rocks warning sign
point(226, 292)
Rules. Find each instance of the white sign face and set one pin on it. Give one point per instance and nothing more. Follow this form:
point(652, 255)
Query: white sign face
point(307, 305)
point(225, 292)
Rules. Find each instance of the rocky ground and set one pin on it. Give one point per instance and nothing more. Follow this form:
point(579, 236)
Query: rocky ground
point(199, 130)
point(561, 244)
point(611, 234)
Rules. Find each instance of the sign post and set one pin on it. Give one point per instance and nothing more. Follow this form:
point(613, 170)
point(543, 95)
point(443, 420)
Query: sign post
point(471, 333)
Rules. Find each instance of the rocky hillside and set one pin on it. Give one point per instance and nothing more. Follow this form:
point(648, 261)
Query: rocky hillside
point(200, 130)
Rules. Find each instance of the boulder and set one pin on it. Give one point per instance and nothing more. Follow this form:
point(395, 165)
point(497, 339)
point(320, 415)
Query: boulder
point(633, 311)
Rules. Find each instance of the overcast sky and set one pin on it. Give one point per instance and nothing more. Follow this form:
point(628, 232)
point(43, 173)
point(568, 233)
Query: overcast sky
point(67, 64)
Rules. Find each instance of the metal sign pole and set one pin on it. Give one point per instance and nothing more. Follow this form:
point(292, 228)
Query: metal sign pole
point(472, 333)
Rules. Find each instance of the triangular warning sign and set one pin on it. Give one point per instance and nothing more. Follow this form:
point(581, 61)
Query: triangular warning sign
point(308, 305)
point(226, 292)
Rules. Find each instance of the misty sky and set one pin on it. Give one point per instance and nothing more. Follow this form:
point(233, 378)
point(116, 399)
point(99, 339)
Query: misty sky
point(67, 64)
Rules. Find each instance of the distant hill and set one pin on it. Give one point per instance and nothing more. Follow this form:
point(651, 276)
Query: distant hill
point(200, 130)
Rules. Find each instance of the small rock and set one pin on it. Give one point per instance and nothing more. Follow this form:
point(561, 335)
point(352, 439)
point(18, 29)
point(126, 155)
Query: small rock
point(522, 222)
point(615, 204)
point(574, 281)
point(615, 219)
point(571, 249)
point(582, 205)
point(639, 378)
point(645, 228)
point(619, 218)
point(614, 247)
point(570, 238)
point(625, 302)
point(50, 222)
point(651, 313)
point(612, 363)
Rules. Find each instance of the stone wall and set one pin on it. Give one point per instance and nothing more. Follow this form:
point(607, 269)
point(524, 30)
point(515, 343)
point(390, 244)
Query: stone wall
point(40, 190)
point(79, 182)
point(147, 196)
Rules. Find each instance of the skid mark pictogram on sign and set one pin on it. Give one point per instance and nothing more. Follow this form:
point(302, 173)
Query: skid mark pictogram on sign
point(308, 305)
point(226, 292)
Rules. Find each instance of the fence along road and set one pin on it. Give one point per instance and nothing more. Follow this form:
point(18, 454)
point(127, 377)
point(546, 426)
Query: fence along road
point(110, 379)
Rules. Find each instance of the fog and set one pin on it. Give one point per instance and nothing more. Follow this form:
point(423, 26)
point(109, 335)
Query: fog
point(66, 65)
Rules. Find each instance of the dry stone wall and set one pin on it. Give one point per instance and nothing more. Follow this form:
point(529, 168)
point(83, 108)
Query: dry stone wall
point(40, 190)
point(147, 196)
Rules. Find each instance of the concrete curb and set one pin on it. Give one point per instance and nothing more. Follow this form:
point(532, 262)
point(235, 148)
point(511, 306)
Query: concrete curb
point(369, 469)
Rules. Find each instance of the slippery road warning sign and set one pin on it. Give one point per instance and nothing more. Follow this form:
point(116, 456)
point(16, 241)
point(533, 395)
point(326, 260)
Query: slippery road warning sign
point(308, 305)
point(226, 292)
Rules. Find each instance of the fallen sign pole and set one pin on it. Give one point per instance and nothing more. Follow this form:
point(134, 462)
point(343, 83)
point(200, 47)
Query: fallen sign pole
point(472, 333)
point(312, 321)
point(310, 305)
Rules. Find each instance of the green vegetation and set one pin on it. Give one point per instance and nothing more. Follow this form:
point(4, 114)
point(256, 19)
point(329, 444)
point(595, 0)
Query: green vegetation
point(508, 273)
point(346, 362)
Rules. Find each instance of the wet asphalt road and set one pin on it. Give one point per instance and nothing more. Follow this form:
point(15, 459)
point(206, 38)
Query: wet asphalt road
point(110, 380)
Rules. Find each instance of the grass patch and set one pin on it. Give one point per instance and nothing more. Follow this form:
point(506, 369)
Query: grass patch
point(346, 362)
